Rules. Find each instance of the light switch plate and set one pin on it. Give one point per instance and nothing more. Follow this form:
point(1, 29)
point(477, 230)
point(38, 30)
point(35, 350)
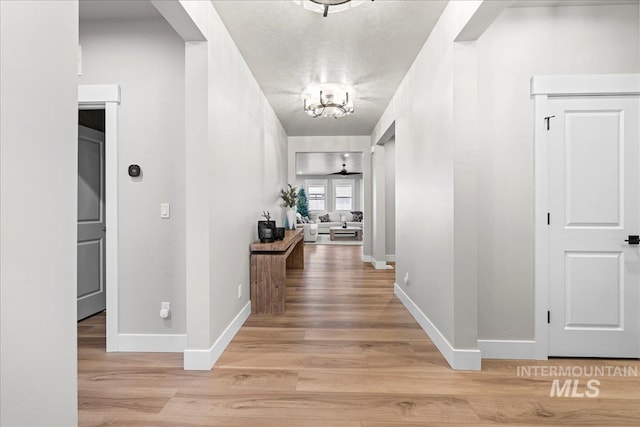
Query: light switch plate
point(165, 210)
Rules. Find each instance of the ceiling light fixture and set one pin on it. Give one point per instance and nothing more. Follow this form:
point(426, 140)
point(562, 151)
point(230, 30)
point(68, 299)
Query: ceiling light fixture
point(328, 101)
point(322, 6)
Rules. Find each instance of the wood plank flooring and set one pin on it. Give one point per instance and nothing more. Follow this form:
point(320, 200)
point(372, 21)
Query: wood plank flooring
point(347, 354)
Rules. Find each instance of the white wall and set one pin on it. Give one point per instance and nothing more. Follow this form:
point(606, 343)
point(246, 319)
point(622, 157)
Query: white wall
point(146, 58)
point(390, 196)
point(245, 136)
point(464, 142)
point(427, 164)
point(521, 43)
point(243, 158)
point(38, 210)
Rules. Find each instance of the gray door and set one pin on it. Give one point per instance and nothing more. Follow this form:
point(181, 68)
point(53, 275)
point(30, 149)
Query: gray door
point(91, 224)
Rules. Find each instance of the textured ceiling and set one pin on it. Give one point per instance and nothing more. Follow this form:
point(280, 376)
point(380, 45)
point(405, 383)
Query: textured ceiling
point(546, 3)
point(369, 47)
point(327, 163)
point(112, 10)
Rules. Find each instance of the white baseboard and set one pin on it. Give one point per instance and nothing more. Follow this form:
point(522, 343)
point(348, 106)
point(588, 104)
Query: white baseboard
point(507, 349)
point(459, 359)
point(391, 258)
point(366, 258)
point(203, 360)
point(378, 265)
point(154, 343)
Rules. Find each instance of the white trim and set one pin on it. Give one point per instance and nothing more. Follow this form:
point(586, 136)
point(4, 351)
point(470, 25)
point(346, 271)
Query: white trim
point(175, 14)
point(366, 258)
point(458, 359)
point(481, 20)
point(541, 88)
point(203, 360)
point(155, 343)
point(112, 224)
point(108, 96)
point(390, 258)
point(541, 230)
point(586, 84)
point(98, 94)
point(507, 349)
point(79, 60)
point(378, 265)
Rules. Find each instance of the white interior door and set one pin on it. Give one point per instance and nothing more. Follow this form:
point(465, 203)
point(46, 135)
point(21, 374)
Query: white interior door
point(91, 222)
point(594, 204)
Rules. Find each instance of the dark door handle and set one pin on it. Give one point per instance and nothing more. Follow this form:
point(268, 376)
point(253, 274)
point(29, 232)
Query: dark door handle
point(633, 240)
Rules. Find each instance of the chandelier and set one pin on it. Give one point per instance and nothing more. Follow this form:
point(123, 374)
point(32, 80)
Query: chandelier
point(322, 6)
point(328, 102)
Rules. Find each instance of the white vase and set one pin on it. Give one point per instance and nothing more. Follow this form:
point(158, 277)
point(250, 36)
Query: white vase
point(291, 218)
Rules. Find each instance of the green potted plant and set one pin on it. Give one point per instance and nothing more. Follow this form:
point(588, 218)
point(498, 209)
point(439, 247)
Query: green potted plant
point(289, 198)
point(303, 204)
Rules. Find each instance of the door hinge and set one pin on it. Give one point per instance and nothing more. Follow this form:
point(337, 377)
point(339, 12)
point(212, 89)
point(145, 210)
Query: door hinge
point(548, 317)
point(547, 120)
point(548, 218)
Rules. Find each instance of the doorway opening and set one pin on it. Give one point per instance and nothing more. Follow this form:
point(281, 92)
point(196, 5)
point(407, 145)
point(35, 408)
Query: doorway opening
point(390, 199)
point(333, 186)
point(106, 98)
point(91, 270)
point(383, 201)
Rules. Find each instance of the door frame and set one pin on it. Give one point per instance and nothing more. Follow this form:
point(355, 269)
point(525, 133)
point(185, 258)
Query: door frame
point(380, 224)
point(108, 97)
point(543, 88)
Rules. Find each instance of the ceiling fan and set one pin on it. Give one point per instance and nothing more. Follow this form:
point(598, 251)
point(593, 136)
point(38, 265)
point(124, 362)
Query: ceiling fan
point(327, 3)
point(344, 172)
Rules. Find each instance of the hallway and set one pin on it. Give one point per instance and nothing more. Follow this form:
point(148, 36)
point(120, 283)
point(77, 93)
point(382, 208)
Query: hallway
point(347, 353)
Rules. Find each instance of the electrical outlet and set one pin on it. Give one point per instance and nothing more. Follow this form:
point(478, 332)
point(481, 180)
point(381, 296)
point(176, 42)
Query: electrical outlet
point(165, 310)
point(406, 278)
point(239, 291)
point(165, 210)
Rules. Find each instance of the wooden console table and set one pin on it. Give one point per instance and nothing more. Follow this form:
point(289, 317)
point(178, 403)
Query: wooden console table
point(269, 263)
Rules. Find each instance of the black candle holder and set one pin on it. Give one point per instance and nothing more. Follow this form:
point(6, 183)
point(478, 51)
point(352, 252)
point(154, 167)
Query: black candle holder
point(279, 233)
point(267, 231)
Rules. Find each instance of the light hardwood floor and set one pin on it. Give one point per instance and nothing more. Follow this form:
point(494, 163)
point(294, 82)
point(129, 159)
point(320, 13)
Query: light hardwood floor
point(346, 353)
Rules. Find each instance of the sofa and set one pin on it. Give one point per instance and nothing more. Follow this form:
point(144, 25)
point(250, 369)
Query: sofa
point(335, 220)
point(310, 232)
